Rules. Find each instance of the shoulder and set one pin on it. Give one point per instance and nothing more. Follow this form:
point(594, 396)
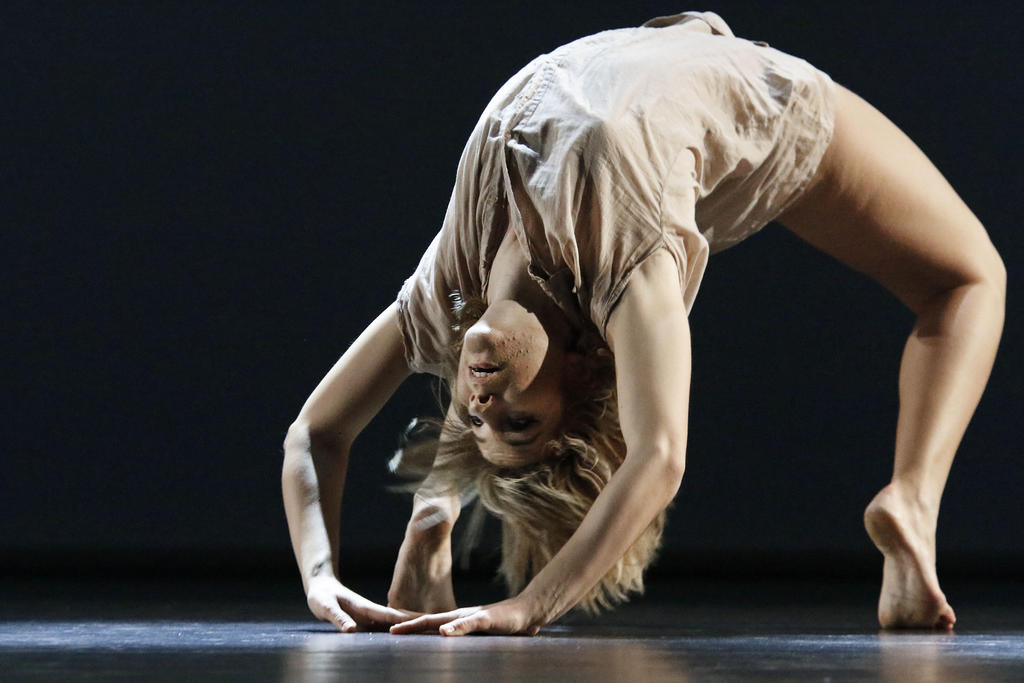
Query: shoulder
point(650, 295)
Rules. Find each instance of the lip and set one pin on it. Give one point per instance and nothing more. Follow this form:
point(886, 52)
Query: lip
point(483, 372)
point(485, 367)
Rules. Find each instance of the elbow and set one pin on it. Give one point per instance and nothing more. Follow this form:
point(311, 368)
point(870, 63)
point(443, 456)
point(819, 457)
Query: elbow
point(305, 450)
point(303, 437)
point(297, 438)
point(296, 445)
point(673, 468)
point(669, 448)
point(668, 460)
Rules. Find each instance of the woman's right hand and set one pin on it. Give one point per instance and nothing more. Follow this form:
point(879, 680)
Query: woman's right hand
point(422, 580)
point(329, 600)
point(422, 583)
point(415, 588)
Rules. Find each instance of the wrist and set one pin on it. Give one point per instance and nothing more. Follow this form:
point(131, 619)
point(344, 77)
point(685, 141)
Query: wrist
point(319, 571)
point(537, 611)
point(429, 556)
point(429, 537)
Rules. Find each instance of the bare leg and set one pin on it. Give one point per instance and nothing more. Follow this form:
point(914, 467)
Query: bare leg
point(878, 205)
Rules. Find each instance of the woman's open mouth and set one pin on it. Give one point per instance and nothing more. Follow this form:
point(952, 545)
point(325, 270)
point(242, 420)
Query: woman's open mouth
point(483, 369)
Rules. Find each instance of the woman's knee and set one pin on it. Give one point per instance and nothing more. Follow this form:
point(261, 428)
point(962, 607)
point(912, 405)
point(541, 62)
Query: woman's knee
point(982, 265)
point(995, 272)
point(983, 282)
point(983, 273)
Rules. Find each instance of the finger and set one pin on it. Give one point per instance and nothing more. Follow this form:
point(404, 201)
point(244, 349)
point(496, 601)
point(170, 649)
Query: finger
point(466, 625)
point(341, 621)
point(367, 611)
point(418, 625)
point(389, 615)
point(427, 622)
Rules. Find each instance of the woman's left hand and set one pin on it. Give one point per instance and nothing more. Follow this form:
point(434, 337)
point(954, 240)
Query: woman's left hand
point(508, 617)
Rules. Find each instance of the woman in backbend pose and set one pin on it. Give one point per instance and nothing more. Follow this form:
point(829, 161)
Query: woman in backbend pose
point(554, 303)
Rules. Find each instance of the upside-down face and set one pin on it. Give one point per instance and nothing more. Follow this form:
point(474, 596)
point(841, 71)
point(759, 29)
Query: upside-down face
point(509, 387)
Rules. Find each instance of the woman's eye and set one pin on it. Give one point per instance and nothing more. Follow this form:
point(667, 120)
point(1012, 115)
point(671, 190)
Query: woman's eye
point(476, 421)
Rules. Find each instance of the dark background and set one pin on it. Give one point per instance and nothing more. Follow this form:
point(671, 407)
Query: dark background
point(207, 202)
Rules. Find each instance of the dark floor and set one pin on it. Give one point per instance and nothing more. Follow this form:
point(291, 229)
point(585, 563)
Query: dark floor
point(685, 630)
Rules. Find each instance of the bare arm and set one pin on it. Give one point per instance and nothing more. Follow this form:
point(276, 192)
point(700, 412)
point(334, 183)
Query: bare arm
point(649, 334)
point(422, 580)
point(316, 459)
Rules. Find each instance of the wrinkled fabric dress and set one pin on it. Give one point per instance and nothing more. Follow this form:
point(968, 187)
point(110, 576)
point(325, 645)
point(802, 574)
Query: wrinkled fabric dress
point(673, 135)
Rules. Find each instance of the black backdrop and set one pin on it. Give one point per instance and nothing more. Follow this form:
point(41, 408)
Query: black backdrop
point(206, 202)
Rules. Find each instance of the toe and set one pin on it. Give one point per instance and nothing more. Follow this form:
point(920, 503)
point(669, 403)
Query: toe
point(946, 619)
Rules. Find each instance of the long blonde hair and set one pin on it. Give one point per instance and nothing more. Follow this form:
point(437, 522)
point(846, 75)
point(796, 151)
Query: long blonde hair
point(540, 505)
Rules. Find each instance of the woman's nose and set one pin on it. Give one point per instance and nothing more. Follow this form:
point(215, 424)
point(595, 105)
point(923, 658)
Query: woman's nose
point(481, 400)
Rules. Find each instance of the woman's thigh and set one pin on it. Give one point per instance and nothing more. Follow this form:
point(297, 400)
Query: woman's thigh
point(878, 205)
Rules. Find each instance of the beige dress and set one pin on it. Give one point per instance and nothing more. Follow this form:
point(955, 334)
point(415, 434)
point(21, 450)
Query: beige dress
point(674, 135)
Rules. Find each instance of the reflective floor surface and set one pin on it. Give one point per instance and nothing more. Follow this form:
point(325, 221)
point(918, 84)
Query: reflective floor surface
point(687, 630)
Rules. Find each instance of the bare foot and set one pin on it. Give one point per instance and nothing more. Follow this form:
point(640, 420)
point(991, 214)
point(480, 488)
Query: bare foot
point(911, 597)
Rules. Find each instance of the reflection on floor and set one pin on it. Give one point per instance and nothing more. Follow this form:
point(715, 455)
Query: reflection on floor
point(687, 630)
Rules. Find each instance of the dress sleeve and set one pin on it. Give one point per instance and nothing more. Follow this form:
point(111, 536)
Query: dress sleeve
point(631, 235)
point(614, 203)
point(424, 312)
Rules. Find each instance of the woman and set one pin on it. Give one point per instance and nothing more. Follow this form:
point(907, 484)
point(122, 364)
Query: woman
point(554, 303)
